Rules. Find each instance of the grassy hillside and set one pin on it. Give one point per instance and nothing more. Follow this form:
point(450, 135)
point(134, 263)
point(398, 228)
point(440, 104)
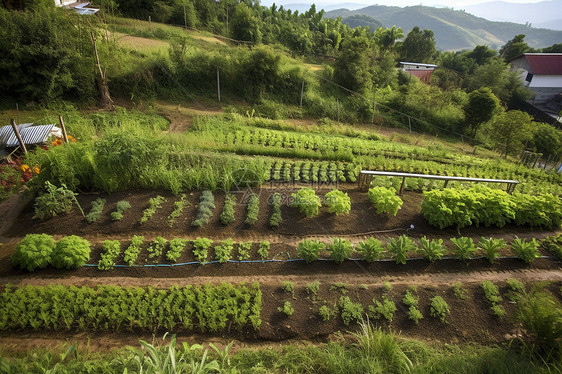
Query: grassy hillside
point(454, 30)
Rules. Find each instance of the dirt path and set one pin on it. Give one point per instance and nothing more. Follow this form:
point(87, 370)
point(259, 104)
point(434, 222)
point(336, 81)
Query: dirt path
point(182, 117)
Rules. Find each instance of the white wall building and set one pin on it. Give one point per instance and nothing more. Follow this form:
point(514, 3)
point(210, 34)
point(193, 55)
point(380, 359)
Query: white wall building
point(542, 73)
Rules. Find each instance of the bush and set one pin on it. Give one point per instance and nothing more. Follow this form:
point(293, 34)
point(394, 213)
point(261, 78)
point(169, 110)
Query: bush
point(205, 210)
point(177, 245)
point(55, 200)
point(370, 250)
point(253, 210)
point(399, 247)
point(71, 252)
point(34, 252)
point(275, 219)
point(308, 249)
point(263, 249)
point(526, 251)
point(338, 202)
point(432, 250)
point(307, 201)
point(341, 250)
point(491, 247)
point(350, 311)
point(120, 208)
point(464, 248)
point(95, 212)
point(200, 248)
point(439, 309)
point(227, 215)
point(133, 250)
point(385, 200)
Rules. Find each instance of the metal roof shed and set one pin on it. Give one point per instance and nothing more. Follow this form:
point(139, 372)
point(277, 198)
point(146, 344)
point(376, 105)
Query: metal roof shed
point(30, 134)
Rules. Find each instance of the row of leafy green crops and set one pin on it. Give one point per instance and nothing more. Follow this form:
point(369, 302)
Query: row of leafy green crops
point(202, 308)
point(314, 171)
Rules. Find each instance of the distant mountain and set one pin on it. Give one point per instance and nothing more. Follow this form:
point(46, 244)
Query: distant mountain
point(454, 30)
point(541, 14)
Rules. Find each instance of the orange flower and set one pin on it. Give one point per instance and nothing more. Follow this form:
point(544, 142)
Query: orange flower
point(25, 168)
point(36, 170)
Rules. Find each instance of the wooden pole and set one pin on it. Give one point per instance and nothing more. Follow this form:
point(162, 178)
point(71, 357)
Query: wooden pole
point(149, 22)
point(184, 18)
point(374, 109)
point(302, 91)
point(410, 124)
point(20, 140)
point(338, 103)
point(218, 84)
point(17, 113)
point(64, 136)
point(106, 100)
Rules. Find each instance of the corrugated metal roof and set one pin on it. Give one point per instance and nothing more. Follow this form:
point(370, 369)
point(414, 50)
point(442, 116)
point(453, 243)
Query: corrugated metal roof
point(545, 63)
point(419, 64)
point(6, 132)
point(30, 135)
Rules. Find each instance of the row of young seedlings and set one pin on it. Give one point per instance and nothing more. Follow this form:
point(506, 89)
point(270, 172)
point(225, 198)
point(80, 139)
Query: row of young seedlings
point(385, 308)
point(173, 249)
point(398, 249)
point(314, 171)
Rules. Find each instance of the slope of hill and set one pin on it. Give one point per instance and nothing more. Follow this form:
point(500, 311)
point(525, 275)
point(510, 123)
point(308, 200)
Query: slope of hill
point(454, 30)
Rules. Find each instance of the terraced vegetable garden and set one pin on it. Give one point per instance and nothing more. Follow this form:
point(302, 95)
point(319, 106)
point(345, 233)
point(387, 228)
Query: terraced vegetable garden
point(291, 248)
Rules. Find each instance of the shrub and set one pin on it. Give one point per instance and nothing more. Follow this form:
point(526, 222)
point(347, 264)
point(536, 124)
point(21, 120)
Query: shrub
point(399, 247)
point(200, 248)
point(177, 245)
point(263, 249)
point(244, 251)
point(34, 252)
point(491, 247)
point(463, 248)
point(157, 247)
point(432, 249)
point(439, 309)
point(227, 215)
point(385, 200)
point(95, 212)
point(341, 250)
point(133, 250)
point(71, 252)
point(253, 210)
point(460, 292)
point(526, 251)
point(326, 313)
point(205, 210)
point(287, 308)
point(385, 309)
point(307, 201)
point(289, 287)
point(350, 311)
point(275, 219)
point(110, 250)
point(178, 209)
point(309, 249)
point(55, 200)
point(224, 250)
point(121, 207)
point(370, 250)
point(154, 203)
point(338, 202)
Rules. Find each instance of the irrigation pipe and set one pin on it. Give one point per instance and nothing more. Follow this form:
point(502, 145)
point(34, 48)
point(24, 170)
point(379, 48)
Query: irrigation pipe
point(302, 259)
point(357, 234)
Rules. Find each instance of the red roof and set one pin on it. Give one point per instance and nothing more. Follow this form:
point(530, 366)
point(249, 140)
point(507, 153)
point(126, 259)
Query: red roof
point(545, 63)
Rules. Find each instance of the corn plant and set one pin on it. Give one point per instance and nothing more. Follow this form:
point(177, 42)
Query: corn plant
point(525, 250)
point(370, 250)
point(154, 203)
point(432, 249)
point(253, 210)
point(491, 247)
point(227, 215)
point(338, 202)
point(177, 245)
point(309, 249)
point(133, 250)
point(439, 309)
point(306, 200)
point(200, 249)
point(95, 212)
point(399, 247)
point(341, 250)
point(463, 248)
point(263, 249)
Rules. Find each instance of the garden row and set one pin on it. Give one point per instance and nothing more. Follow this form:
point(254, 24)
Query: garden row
point(201, 308)
point(37, 251)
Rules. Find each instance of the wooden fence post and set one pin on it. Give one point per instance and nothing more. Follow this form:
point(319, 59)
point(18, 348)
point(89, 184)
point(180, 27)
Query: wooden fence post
point(20, 140)
point(64, 136)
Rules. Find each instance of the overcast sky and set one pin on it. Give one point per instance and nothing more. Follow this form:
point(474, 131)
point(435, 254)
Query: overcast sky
point(457, 4)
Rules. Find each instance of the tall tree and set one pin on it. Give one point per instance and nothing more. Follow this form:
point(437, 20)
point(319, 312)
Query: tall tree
point(352, 68)
point(245, 25)
point(419, 46)
point(514, 47)
point(481, 107)
point(510, 131)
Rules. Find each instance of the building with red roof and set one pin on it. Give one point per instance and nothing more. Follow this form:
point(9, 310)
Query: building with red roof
point(419, 70)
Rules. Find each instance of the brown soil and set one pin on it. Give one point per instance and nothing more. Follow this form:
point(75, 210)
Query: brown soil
point(470, 320)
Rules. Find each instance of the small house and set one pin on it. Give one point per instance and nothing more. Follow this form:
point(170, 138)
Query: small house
point(422, 71)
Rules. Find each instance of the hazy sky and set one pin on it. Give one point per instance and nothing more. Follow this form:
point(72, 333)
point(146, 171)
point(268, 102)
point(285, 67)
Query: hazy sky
point(449, 3)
